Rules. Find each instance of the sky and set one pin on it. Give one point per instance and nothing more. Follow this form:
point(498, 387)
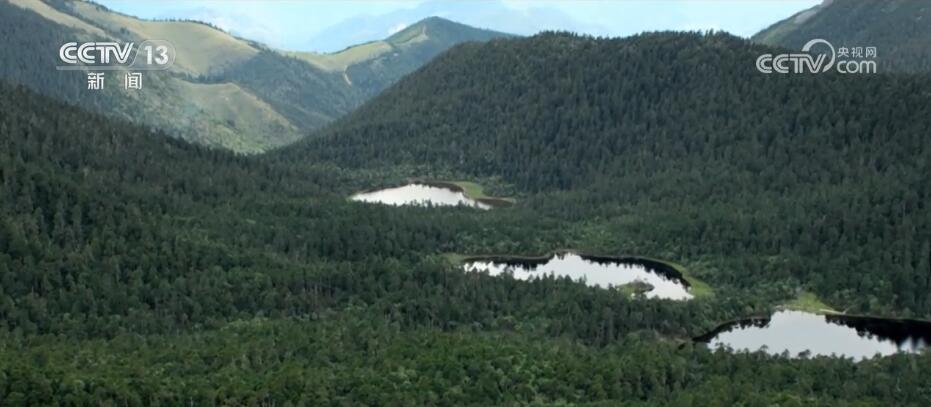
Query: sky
point(329, 25)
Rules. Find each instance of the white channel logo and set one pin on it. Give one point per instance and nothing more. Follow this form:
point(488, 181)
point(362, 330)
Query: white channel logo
point(806, 62)
point(156, 55)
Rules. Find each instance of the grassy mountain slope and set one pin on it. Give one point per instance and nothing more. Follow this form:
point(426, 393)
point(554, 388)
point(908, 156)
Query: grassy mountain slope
point(676, 140)
point(899, 30)
point(306, 96)
point(374, 66)
point(231, 111)
point(57, 16)
point(339, 61)
point(222, 91)
point(201, 49)
point(220, 114)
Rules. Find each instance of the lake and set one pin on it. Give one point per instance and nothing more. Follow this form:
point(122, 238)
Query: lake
point(419, 194)
point(794, 332)
point(605, 272)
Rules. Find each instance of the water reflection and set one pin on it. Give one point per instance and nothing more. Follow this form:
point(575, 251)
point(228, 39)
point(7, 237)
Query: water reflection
point(796, 332)
point(419, 194)
point(599, 272)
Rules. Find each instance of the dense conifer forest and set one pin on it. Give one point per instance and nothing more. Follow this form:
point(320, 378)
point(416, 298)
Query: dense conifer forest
point(675, 144)
point(136, 269)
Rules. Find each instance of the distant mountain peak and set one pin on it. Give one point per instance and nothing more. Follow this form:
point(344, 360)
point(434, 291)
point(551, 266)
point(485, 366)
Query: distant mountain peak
point(449, 29)
point(374, 65)
point(436, 20)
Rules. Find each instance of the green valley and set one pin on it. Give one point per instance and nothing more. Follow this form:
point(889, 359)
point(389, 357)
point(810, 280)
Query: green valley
point(142, 265)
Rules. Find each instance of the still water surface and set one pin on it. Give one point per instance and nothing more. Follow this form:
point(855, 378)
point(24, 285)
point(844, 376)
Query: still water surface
point(419, 194)
point(796, 332)
point(598, 273)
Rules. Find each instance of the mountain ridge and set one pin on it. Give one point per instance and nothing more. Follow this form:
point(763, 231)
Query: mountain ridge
point(375, 65)
point(222, 91)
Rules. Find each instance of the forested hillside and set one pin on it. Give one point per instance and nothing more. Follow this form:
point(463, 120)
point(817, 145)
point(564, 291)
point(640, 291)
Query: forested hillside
point(137, 269)
point(674, 143)
point(898, 29)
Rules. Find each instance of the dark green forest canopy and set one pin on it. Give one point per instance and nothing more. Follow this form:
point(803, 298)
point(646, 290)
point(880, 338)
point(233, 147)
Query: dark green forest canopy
point(559, 111)
point(358, 359)
point(115, 229)
point(135, 268)
point(674, 143)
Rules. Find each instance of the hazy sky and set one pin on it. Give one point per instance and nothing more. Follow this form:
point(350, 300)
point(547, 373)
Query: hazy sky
point(326, 25)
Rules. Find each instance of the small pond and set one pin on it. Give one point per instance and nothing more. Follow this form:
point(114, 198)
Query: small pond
point(655, 279)
point(795, 332)
point(419, 194)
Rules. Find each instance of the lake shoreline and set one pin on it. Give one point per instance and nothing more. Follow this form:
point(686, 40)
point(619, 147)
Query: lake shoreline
point(663, 268)
point(630, 274)
point(912, 335)
point(496, 202)
point(493, 202)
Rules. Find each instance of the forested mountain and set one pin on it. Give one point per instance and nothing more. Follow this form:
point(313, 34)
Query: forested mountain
point(140, 269)
point(127, 280)
point(674, 143)
point(222, 90)
point(899, 30)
